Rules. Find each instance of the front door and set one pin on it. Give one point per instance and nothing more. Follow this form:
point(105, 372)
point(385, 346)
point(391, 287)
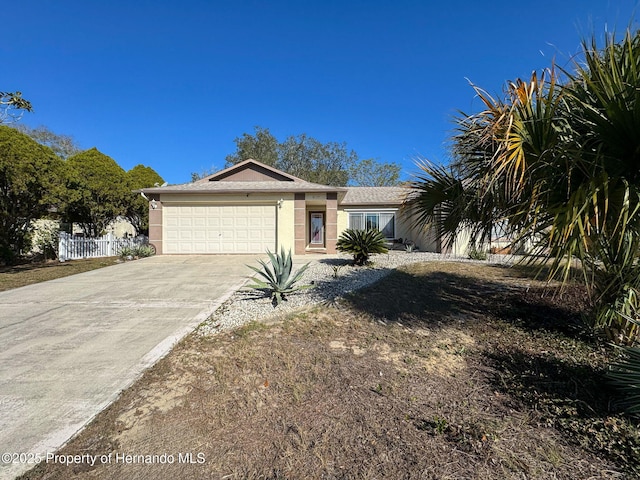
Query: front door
point(317, 230)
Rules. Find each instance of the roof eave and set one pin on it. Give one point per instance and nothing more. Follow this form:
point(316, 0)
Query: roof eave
point(301, 189)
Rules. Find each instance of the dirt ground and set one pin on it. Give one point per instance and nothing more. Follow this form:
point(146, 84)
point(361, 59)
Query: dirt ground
point(439, 371)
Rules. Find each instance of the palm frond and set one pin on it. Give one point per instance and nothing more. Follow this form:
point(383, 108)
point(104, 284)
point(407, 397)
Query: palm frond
point(625, 376)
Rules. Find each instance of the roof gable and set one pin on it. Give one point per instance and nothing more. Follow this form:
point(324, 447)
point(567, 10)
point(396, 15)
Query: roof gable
point(248, 176)
point(251, 171)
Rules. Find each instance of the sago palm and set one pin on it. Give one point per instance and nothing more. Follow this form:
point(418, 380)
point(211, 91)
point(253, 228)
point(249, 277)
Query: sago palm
point(362, 244)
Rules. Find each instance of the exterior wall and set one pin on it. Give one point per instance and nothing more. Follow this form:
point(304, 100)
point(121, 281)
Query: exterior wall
point(300, 224)
point(424, 240)
point(460, 247)
point(155, 223)
point(342, 221)
point(285, 229)
point(121, 228)
point(293, 219)
point(286, 224)
point(331, 222)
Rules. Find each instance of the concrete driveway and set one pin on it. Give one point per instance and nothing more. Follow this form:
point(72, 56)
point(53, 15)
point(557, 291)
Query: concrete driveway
point(69, 346)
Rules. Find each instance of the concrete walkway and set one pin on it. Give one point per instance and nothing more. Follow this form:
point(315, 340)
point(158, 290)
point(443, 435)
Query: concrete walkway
point(69, 346)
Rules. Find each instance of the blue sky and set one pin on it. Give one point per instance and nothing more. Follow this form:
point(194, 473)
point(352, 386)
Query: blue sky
point(170, 84)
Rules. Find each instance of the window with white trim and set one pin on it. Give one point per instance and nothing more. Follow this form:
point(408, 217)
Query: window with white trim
point(382, 221)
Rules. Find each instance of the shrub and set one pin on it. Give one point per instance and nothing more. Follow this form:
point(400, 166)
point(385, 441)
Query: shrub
point(127, 253)
point(279, 278)
point(138, 251)
point(476, 254)
point(144, 251)
point(45, 239)
point(362, 244)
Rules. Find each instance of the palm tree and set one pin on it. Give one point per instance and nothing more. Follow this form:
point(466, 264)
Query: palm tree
point(559, 163)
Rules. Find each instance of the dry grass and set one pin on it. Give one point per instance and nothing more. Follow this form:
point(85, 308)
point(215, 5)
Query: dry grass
point(440, 371)
point(30, 273)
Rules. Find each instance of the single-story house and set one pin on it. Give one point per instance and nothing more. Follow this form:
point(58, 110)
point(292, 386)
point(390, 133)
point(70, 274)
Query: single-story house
point(251, 207)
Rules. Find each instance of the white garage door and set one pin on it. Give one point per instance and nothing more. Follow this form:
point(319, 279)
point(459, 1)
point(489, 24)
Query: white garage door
point(219, 228)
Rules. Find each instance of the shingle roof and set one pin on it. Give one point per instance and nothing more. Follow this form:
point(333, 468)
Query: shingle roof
point(245, 187)
point(374, 196)
point(350, 195)
point(211, 184)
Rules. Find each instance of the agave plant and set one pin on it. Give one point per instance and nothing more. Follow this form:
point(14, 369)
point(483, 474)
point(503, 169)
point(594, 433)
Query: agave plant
point(362, 244)
point(625, 376)
point(278, 276)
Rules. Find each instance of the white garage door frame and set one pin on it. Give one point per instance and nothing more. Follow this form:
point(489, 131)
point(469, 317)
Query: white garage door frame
point(219, 228)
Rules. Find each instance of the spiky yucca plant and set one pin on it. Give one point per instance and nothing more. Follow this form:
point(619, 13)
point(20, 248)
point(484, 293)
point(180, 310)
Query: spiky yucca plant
point(362, 244)
point(278, 276)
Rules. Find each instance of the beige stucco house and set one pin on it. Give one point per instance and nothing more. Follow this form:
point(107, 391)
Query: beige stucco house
point(251, 207)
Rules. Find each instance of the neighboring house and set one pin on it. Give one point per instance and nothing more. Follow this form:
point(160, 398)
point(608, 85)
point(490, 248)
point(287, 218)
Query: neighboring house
point(251, 207)
point(45, 232)
point(120, 228)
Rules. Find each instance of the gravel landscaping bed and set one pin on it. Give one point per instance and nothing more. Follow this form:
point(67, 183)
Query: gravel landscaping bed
point(330, 278)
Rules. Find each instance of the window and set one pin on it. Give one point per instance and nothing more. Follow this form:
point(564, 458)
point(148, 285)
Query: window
point(383, 221)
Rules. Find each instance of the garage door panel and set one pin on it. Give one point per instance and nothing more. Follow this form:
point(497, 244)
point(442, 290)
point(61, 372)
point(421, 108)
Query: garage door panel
point(219, 228)
point(199, 221)
point(237, 247)
point(227, 234)
point(242, 210)
point(171, 235)
point(226, 222)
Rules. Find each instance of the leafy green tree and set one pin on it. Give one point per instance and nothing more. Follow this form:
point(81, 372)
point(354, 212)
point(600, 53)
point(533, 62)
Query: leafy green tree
point(138, 208)
point(62, 145)
point(557, 163)
point(371, 173)
point(305, 157)
point(311, 160)
point(12, 106)
point(261, 146)
point(98, 191)
point(30, 186)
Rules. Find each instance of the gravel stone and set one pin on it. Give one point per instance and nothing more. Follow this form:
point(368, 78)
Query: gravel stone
point(329, 279)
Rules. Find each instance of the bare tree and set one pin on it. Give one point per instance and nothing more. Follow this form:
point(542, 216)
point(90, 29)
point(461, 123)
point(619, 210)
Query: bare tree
point(13, 106)
point(64, 146)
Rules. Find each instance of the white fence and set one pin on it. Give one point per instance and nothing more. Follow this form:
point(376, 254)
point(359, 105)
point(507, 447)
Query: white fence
point(74, 248)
